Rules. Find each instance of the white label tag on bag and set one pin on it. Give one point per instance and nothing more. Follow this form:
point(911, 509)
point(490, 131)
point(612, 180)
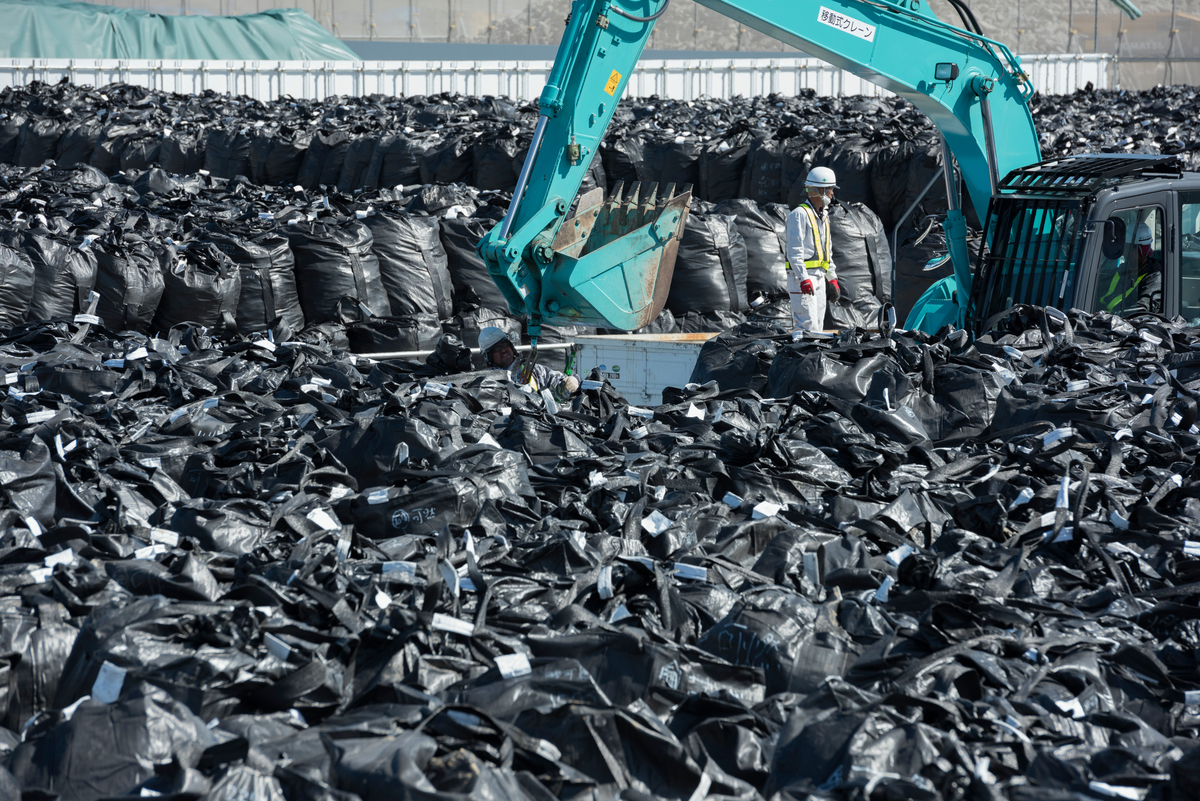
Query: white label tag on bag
point(377, 497)
point(899, 555)
point(766, 509)
point(1050, 437)
point(692, 572)
point(324, 520)
point(1023, 497)
point(450, 576)
point(513, 665)
point(165, 537)
point(604, 583)
point(61, 558)
point(452, 625)
point(277, 647)
point(109, 681)
point(695, 411)
point(656, 523)
point(150, 551)
point(551, 404)
point(1071, 707)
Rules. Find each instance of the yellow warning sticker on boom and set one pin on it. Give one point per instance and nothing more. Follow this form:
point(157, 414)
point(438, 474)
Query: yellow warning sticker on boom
point(614, 81)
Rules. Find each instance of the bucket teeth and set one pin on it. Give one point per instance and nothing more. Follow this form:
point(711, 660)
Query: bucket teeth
point(598, 221)
point(628, 219)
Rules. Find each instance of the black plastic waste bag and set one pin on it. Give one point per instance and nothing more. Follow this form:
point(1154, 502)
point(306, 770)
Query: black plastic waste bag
point(864, 266)
point(64, 276)
point(203, 287)
point(334, 261)
point(227, 153)
point(130, 280)
point(412, 263)
point(762, 230)
point(710, 267)
point(268, 280)
point(16, 286)
point(473, 285)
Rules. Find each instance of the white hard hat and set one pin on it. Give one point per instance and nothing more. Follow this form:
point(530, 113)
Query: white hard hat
point(821, 177)
point(1144, 236)
point(490, 337)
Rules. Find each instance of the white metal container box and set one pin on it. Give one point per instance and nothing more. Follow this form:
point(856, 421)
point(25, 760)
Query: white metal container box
point(640, 366)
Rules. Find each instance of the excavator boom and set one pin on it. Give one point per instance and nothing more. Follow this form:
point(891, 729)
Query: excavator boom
point(611, 264)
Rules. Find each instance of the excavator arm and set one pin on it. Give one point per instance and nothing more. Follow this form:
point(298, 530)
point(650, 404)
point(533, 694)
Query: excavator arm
point(611, 264)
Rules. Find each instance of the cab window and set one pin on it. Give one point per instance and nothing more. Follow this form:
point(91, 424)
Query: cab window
point(1132, 281)
point(1189, 273)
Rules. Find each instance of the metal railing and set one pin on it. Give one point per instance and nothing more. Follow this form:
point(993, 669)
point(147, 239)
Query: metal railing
point(681, 79)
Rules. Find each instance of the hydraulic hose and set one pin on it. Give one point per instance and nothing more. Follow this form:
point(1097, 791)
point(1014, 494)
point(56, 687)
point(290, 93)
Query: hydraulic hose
point(967, 16)
point(651, 18)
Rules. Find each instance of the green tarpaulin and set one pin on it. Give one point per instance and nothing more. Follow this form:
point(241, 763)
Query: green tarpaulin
point(63, 29)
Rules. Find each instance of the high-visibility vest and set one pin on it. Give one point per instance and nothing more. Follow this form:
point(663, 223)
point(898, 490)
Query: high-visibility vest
point(823, 249)
point(1113, 298)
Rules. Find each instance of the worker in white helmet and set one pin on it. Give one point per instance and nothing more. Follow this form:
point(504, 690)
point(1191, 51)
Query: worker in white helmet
point(1134, 287)
point(812, 276)
point(499, 352)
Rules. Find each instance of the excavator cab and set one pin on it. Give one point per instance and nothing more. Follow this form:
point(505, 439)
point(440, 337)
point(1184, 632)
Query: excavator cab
point(1036, 244)
point(1091, 232)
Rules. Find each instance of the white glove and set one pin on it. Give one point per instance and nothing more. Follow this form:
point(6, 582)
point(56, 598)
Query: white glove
point(571, 385)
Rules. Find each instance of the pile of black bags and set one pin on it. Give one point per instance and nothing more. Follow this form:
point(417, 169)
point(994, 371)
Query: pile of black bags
point(841, 568)
point(741, 151)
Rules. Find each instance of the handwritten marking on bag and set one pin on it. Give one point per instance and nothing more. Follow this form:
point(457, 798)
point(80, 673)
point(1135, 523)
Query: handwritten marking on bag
point(402, 517)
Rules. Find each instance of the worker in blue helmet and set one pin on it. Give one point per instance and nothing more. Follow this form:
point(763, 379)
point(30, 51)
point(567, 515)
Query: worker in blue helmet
point(499, 352)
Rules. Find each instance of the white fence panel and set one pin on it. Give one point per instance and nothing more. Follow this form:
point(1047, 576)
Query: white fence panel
point(680, 79)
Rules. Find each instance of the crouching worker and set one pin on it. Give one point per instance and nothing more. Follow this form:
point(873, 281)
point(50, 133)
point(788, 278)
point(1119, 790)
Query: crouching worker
point(500, 353)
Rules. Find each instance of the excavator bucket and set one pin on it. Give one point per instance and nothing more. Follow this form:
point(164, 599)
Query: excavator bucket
point(614, 259)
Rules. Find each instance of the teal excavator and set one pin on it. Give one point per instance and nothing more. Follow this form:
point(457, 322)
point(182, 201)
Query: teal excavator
point(1051, 226)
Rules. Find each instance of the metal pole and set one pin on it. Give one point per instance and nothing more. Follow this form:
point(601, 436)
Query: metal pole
point(948, 171)
point(523, 178)
point(900, 224)
point(1168, 72)
point(420, 354)
point(1019, 29)
point(1096, 28)
point(990, 140)
point(1070, 24)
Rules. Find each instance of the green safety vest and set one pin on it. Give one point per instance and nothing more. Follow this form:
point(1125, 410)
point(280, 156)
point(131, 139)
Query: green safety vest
point(824, 249)
point(1114, 297)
